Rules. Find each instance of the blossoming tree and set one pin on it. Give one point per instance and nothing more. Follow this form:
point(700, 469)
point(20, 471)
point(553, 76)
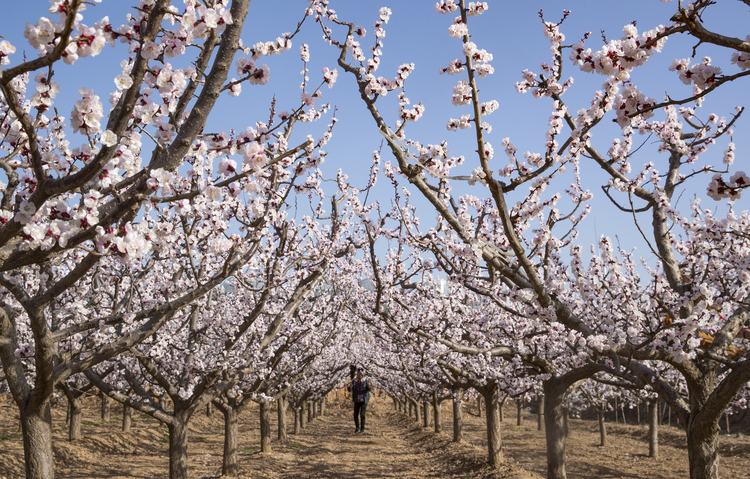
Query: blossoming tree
point(142, 184)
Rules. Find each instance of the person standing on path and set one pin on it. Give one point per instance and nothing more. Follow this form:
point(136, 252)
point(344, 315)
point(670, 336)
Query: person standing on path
point(360, 388)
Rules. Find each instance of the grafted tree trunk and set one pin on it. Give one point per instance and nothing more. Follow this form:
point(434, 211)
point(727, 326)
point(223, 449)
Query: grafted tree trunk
point(127, 418)
point(265, 427)
point(494, 438)
point(281, 413)
point(653, 429)
point(436, 412)
point(458, 418)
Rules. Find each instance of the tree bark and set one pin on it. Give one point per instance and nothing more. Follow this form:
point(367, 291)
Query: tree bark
point(479, 406)
point(519, 409)
point(127, 418)
point(36, 426)
point(425, 413)
point(494, 438)
point(229, 465)
point(310, 407)
point(105, 412)
point(540, 417)
point(703, 449)
point(297, 415)
point(75, 405)
point(602, 426)
point(554, 418)
point(265, 427)
point(436, 412)
point(178, 445)
point(281, 413)
point(302, 414)
point(653, 429)
point(458, 418)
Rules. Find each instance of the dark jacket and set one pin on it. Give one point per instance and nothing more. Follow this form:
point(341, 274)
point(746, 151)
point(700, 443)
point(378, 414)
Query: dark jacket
point(363, 390)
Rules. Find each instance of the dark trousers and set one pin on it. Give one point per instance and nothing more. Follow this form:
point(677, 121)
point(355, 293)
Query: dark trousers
point(359, 414)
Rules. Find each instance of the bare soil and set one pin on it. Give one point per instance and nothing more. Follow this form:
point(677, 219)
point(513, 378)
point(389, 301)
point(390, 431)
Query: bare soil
point(327, 447)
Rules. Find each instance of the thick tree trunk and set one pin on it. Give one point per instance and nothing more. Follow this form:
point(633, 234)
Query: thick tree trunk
point(127, 418)
point(436, 412)
point(281, 413)
point(208, 410)
point(310, 410)
point(566, 425)
point(479, 406)
point(178, 448)
point(458, 418)
point(602, 426)
point(425, 413)
point(323, 407)
point(494, 438)
point(36, 426)
point(105, 412)
point(302, 415)
point(229, 466)
point(653, 430)
point(554, 418)
point(703, 450)
point(265, 427)
point(75, 405)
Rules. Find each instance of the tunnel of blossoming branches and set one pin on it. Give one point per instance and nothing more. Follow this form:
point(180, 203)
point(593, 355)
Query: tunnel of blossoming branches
point(152, 255)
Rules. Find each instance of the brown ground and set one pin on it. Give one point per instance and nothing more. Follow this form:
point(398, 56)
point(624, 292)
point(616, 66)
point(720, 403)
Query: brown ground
point(394, 446)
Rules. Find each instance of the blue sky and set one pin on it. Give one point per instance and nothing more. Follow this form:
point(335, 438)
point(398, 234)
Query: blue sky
point(511, 31)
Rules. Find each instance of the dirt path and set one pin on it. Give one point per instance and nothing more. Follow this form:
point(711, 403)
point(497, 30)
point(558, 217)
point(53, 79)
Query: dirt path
point(327, 447)
point(392, 446)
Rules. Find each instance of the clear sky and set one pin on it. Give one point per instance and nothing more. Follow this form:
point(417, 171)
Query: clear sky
point(511, 31)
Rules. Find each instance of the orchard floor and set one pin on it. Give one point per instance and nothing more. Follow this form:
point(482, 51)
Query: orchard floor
point(393, 446)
